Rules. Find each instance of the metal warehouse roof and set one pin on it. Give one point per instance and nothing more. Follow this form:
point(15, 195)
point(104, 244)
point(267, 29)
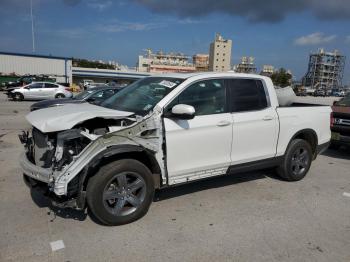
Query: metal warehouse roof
point(90, 72)
point(38, 56)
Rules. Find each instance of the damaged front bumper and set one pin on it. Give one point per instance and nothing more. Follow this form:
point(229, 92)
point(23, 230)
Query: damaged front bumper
point(33, 171)
point(40, 180)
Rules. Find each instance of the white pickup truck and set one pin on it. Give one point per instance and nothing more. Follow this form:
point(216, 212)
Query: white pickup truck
point(167, 130)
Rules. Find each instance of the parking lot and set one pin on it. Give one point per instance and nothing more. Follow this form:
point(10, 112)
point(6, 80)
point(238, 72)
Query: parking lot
point(246, 217)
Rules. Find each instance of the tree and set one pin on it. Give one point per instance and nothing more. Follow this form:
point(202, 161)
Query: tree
point(281, 78)
point(91, 64)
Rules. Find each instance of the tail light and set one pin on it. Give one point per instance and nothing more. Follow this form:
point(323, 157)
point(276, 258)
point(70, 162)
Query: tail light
point(332, 119)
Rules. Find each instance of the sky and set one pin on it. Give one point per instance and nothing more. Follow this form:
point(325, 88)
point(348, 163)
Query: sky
point(275, 32)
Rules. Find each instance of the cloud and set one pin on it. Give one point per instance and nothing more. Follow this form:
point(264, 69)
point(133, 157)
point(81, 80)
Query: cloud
point(253, 10)
point(99, 5)
point(314, 39)
point(347, 39)
point(117, 26)
point(188, 21)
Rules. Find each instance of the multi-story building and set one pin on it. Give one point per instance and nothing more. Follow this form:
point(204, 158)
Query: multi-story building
point(162, 62)
point(201, 62)
point(325, 70)
point(246, 66)
point(220, 54)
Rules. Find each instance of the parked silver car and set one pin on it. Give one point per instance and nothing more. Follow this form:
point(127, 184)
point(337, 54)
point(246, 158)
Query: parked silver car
point(40, 91)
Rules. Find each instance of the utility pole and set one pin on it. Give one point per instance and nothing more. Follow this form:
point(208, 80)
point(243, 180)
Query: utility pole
point(31, 15)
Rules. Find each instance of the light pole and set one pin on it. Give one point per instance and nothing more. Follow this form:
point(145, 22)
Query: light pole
point(31, 15)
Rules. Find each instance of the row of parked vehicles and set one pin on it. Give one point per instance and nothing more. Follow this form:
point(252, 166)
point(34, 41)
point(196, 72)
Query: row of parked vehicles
point(325, 93)
point(322, 93)
point(169, 130)
point(55, 94)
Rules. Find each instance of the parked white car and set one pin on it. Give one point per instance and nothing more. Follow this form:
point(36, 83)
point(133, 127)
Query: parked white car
point(167, 130)
point(40, 91)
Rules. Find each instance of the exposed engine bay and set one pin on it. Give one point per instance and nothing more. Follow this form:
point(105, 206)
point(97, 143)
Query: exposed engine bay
point(57, 149)
point(65, 154)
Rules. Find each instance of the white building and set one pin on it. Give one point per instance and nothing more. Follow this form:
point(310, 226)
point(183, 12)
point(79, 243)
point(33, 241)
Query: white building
point(164, 62)
point(24, 64)
point(220, 54)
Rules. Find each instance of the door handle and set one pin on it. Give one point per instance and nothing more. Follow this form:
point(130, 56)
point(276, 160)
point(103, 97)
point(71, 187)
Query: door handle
point(267, 118)
point(224, 123)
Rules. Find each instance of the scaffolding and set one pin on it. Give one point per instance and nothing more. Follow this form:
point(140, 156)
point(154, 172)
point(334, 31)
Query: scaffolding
point(325, 70)
point(246, 66)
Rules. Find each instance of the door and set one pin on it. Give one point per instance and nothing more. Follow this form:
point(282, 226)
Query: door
point(255, 122)
point(49, 90)
point(35, 91)
point(199, 147)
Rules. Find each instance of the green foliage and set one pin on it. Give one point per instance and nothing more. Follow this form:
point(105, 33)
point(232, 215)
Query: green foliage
point(281, 78)
point(91, 64)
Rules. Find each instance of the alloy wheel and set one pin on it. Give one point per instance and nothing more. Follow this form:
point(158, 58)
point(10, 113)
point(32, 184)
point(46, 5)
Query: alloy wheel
point(124, 193)
point(300, 161)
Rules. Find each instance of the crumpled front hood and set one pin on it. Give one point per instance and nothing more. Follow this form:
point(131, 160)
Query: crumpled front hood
point(65, 117)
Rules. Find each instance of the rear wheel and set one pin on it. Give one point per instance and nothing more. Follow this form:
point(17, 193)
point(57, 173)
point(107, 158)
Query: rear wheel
point(60, 96)
point(18, 97)
point(121, 192)
point(297, 161)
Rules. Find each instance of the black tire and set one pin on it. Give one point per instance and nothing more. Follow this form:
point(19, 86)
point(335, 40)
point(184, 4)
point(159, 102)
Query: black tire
point(297, 161)
point(113, 199)
point(60, 96)
point(18, 97)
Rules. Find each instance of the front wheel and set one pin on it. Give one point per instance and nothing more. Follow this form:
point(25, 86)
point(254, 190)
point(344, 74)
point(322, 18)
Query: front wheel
point(121, 192)
point(60, 96)
point(18, 97)
point(297, 161)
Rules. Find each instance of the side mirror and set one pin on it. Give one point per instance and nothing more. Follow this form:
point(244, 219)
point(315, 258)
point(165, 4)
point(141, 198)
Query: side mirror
point(182, 111)
point(335, 103)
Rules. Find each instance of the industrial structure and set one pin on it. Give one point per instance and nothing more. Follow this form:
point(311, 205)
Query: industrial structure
point(267, 70)
point(325, 70)
point(201, 62)
point(220, 54)
point(164, 62)
point(246, 66)
point(59, 68)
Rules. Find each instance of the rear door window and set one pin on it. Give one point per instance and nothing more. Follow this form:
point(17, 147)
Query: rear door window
point(247, 95)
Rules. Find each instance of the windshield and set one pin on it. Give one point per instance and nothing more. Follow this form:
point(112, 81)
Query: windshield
point(344, 102)
point(141, 96)
point(83, 95)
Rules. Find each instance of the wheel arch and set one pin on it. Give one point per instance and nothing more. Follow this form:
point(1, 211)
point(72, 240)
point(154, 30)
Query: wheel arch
point(310, 136)
point(18, 93)
point(119, 152)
